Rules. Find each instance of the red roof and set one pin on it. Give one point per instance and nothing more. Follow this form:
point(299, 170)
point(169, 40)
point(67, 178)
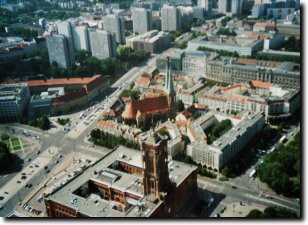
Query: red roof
point(147, 105)
point(260, 84)
point(66, 81)
point(144, 79)
point(108, 124)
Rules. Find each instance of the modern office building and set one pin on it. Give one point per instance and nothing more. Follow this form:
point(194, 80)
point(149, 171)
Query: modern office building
point(115, 25)
point(153, 41)
point(60, 50)
point(170, 18)
point(286, 74)
point(128, 183)
point(14, 99)
point(103, 44)
point(81, 40)
point(142, 20)
point(221, 151)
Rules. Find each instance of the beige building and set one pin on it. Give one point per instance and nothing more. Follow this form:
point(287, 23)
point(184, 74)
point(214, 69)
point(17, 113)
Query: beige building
point(244, 70)
point(221, 151)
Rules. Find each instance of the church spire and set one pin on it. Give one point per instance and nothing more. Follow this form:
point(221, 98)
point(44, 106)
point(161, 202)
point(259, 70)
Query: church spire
point(169, 87)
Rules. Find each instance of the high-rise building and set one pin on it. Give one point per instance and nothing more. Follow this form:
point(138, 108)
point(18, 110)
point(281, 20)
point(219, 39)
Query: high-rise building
point(206, 4)
point(230, 6)
point(60, 50)
point(81, 38)
point(115, 25)
point(103, 44)
point(142, 20)
point(170, 18)
point(65, 28)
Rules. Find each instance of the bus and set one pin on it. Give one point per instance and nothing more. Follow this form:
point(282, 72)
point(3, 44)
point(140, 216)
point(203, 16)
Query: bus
point(283, 139)
point(252, 173)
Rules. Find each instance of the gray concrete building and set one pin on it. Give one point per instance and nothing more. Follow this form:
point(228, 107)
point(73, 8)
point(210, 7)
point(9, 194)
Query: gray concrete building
point(115, 25)
point(103, 44)
point(60, 50)
point(233, 7)
point(81, 38)
point(142, 20)
point(170, 18)
point(65, 28)
point(13, 102)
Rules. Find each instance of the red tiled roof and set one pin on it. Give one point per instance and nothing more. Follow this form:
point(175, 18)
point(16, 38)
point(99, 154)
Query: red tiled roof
point(145, 106)
point(66, 81)
point(108, 124)
point(247, 61)
point(262, 24)
point(95, 83)
point(144, 79)
point(260, 84)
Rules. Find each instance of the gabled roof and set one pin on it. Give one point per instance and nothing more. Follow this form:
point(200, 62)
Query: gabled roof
point(150, 104)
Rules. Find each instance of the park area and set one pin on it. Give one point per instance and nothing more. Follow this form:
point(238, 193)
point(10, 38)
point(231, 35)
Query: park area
point(13, 143)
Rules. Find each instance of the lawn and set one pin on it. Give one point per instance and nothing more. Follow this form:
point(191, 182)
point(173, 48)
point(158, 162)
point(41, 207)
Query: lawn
point(13, 143)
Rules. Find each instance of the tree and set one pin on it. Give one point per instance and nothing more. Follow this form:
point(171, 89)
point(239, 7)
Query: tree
point(180, 106)
point(255, 213)
point(270, 212)
point(44, 123)
point(5, 156)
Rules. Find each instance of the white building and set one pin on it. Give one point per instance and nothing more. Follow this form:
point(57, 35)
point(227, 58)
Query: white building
point(142, 20)
point(221, 151)
point(103, 44)
point(115, 25)
point(170, 18)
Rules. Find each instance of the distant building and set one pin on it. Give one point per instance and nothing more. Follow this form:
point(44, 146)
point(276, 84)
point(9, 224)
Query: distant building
point(115, 25)
point(221, 151)
point(153, 41)
point(274, 41)
point(244, 70)
point(264, 27)
point(198, 13)
point(60, 50)
point(233, 7)
point(242, 45)
point(170, 18)
point(206, 4)
point(14, 99)
point(142, 20)
point(81, 40)
point(190, 96)
point(103, 44)
point(128, 183)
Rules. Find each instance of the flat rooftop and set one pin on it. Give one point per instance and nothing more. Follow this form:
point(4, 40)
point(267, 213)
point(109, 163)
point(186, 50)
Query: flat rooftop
point(103, 172)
